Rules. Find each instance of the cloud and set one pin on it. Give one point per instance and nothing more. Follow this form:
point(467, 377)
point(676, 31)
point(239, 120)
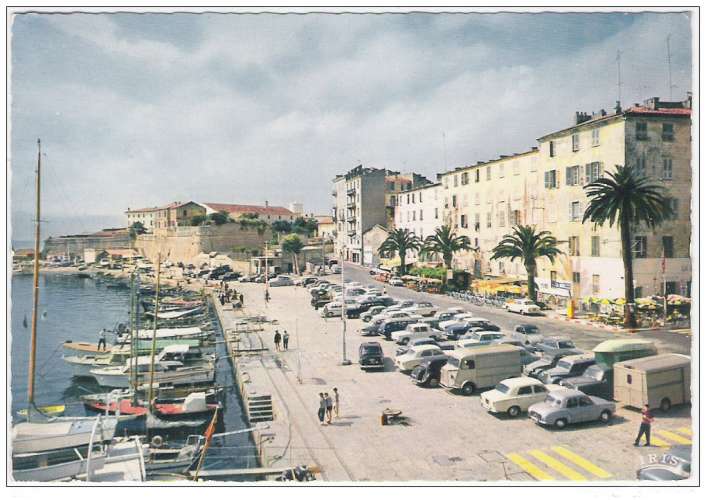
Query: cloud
point(259, 107)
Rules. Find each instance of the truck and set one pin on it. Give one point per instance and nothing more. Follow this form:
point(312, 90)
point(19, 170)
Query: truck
point(470, 369)
point(661, 381)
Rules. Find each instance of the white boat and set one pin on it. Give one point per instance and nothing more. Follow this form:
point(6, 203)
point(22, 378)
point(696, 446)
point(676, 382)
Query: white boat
point(191, 331)
point(82, 365)
point(55, 465)
point(61, 432)
point(175, 314)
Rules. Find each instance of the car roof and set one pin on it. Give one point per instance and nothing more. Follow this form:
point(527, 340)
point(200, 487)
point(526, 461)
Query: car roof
point(525, 325)
point(622, 345)
point(586, 356)
point(556, 339)
point(486, 349)
point(521, 381)
point(567, 393)
point(658, 362)
point(371, 344)
point(417, 348)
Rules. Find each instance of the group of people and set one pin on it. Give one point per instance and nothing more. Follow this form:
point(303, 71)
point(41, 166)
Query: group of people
point(328, 406)
point(283, 339)
point(227, 294)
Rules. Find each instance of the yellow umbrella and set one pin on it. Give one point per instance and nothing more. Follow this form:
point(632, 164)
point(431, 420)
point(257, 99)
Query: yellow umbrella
point(620, 301)
point(605, 302)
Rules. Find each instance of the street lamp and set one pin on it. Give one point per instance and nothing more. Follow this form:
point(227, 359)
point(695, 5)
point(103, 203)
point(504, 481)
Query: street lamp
point(344, 361)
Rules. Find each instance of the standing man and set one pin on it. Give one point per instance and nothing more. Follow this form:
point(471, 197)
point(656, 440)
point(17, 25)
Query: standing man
point(267, 295)
point(101, 339)
point(329, 407)
point(336, 402)
point(645, 426)
point(322, 408)
point(285, 340)
point(278, 338)
point(242, 299)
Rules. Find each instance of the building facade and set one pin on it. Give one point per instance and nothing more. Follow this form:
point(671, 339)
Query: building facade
point(420, 211)
point(175, 214)
point(544, 187)
point(265, 212)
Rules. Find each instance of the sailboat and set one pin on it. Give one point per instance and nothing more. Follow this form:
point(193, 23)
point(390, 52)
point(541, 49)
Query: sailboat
point(39, 441)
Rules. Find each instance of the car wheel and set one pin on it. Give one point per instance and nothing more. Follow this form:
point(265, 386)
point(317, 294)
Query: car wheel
point(605, 416)
point(560, 423)
point(513, 411)
point(404, 341)
point(665, 404)
point(468, 389)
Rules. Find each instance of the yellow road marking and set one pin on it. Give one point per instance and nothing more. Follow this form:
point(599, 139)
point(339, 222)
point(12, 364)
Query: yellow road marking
point(674, 437)
point(553, 463)
point(529, 467)
point(684, 430)
point(582, 462)
point(657, 441)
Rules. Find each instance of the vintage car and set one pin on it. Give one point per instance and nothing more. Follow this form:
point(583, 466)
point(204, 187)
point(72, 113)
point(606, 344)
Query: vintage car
point(368, 315)
point(396, 282)
point(514, 395)
point(568, 406)
point(416, 331)
point(554, 345)
point(370, 356)
point(523, 306)
point(423, 309)
point(417, 354)
point(414, 342)
point(569, 366)
point(480, 338)
point(545, 362)
point(428, 372)
point(527, 333)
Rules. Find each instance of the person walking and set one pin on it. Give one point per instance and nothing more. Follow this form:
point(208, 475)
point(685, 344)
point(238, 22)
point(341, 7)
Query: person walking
point(322, 408)
point(101, 339)
point(337, 402)
point(242, 300)
point(329, 407)
point(645, 425)
point(285, 340)
point(267, 295)
point(278, 339)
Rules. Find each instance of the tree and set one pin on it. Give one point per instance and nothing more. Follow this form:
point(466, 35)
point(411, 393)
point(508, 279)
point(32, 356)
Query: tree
point(136, 229)
point(220, 218)
point(627, 199)
point(444, 242)
point(282, 226)
point(400, 241)
point(293, 245)
point(197, 220)
point(252, 221)
point(529, 245)
point(306, 226)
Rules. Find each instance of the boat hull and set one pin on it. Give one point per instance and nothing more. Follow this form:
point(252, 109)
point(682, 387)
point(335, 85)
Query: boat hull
point(36, 437)
point(176, 377)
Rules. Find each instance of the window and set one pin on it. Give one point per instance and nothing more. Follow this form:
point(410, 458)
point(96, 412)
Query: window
point(575, 211)
point(488, 220)
point(552, 149)
point(576, 277)
point(390, 186)
point(667, 131)
point(464, 178)
point(477, 175)
point(596, 283)
point(595, 246)
point(412, 197)
point(640, 247)
point(572, 175)
point(575, 142)
point(487, 173)
point(574, 246)
point(475, 242)
point(668, 247)
point(407, 198)
point(595, 137)
point(641, 166)
point(666, 168)
point(477, 223)
point(550, 179)
point(674, 208)
point(470, 364)
point(455, 180)
point(502, 170)
point(453, 201)
point(670, 288)
point(629, 379)
point(641, 131)
point(436, 213)
point(420, 197)
point(515, 218)
point(552, 276)
point(638, 292)
point(524, 390)
point(501, 218)
point(477, 198)
point(414, 215)
point(593, 171)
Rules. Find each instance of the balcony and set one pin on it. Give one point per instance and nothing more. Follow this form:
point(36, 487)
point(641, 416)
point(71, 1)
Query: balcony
point(351, 232)
point(350, 191)
point(350, 205)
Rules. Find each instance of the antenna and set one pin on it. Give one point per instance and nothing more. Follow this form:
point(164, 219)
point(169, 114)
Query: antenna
point(620, 81)
point(443, 137)
point(669, 66)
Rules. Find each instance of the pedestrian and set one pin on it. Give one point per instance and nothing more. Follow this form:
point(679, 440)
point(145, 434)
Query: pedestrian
point(278, 338)
point(329, 407)
point(336, 402)
point(242, 299)
point(645, 426)
point(322, 408)
point(285, 340)
point(101, 339)
point(267, 295)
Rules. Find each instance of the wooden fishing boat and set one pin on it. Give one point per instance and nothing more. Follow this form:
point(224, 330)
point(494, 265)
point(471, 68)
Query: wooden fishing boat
point(50, 411)
point(195, 404)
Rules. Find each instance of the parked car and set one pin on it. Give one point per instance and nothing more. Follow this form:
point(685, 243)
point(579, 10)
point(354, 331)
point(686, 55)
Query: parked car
point(457, 330)
point(523, 306)
point(370, 356)
point(423, 309)
point(552, 345)
point(396, 282)
point(569, 366)
point(515, 395)
point(673, 465)
point(567, 406)
point(388, 327)
point(282, 281)
point(331, 309)
point(374, 310)
point(457, 319)
point(428, 372)
point(480, 338)
point(335, 269)
point(470, 369)
point(416, 331)
point(230, 276)
point(416, 355)
point(545, 362)
point(420, 341)
point(527, 333)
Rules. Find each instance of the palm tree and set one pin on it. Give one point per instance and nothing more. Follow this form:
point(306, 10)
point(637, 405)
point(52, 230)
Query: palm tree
point(293, 245)
point(400, 241)
point(527, 244)
point(626, 198)
point(445, 243)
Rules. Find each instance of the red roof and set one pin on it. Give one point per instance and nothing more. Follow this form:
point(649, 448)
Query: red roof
point(174, 204)
point(249, 209)
point(324, 219)
point(643, 110)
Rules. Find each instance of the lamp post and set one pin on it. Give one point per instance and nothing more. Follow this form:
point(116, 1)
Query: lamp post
point(344, 360)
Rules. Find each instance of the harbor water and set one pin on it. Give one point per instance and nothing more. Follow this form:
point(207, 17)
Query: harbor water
point(77, 308)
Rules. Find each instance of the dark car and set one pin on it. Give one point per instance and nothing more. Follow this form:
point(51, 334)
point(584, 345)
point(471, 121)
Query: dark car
point(370, 302)
point(546, 362)
point(230, 276)
point(554, 345)
point(597, 380)
point(387, 328)
point(673, 465)
point(569, 366)
point(370, 356)
point(203, 273)
point(456, 331)
point(373, 328)
point(387, 301)
point(428, 372)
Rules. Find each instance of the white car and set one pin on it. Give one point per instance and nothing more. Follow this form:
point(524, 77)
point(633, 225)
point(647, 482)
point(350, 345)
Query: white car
point(480, 338)
point(392, 315)
point(523, 306)
point(331, 309)
point(415, 331)
point(281, 281)
point(514, 395)
point(423, 309)
point(459, 318)
point(409, 360)
point(104, 263)
point(396, 282)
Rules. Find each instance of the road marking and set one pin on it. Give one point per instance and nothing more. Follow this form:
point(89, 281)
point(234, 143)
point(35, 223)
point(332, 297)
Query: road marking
point(684, 430)
point(582, 462)
point(674, 437)
point(553, 463)
point(657, 441)
point(684, 331)
point(529, 467)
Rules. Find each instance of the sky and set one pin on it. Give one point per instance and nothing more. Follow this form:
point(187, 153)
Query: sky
point(139, 110)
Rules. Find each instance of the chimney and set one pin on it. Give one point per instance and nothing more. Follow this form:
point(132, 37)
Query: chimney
point(581, 117)
point(689, 98)
point(618, 109)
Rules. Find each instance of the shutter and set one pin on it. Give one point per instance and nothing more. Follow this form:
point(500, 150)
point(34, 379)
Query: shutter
point(570, 211)
point(567, 175)
point(546, 180)
point(600, 169)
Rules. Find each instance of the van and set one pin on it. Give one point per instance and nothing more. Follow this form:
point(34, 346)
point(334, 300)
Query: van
point(470, 369)
point(661, 381)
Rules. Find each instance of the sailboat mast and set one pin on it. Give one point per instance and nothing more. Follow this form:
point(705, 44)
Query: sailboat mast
point(35, 298)
point(154, 332)
point(132, 335)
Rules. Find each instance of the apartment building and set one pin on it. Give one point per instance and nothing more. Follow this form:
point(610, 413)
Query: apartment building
point(544, 187)
point(162, 217)
point(419, 210)
point(365, 197)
